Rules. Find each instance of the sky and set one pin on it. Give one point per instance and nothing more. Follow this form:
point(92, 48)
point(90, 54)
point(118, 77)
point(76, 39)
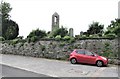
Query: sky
point(76, 14)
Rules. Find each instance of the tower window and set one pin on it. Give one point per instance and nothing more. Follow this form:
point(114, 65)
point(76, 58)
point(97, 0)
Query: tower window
point(55, 19)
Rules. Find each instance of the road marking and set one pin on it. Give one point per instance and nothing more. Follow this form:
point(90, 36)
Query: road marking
point(52, 75)
point(29, 70)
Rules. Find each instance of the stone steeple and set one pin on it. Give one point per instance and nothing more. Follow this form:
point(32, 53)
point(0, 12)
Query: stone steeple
point(55, 21)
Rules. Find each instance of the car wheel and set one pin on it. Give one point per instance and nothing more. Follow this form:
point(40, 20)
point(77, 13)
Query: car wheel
point(73, 61)
point(99, 63)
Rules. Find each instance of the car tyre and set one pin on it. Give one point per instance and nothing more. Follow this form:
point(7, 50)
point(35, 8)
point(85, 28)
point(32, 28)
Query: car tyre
point(73, 61)
point(99, 63)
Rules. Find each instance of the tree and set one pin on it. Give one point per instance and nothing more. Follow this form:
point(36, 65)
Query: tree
point(38, 33)
point(95, 28)
point(60, 31)
point(10, 29)
point(5, 9)
point(114, 28)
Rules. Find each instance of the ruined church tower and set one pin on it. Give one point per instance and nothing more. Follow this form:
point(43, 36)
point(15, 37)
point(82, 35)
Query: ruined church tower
point(55, 21)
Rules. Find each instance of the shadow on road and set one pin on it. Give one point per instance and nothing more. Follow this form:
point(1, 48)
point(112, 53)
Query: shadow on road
point(90, 64)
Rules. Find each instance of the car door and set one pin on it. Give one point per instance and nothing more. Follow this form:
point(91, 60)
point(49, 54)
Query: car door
point(89, 57)
point(80, 56)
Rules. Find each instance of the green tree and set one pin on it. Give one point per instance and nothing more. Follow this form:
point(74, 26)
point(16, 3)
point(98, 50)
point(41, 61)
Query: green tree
point(5, 10)
point(38, 33)
point(61, 31)
point(95, 28)
point(10, 29)
point(114, 28)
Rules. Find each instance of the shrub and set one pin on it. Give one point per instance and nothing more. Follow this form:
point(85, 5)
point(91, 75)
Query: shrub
point(38, 33)
point(2, 39)
point(72, 40)
point(34, 39)
point(66, 38)
point(94, 36)
point(22, 40)
point(62, 44)
point(60, 31)
point(28, 40)
point(78, 36)
point(83, 36)
point(91, 36)
point(15, 41)
point(20, 37)
point(108, 51)
point(49, 36)
point(105, 54)
point(58, 37)
point(111, 35)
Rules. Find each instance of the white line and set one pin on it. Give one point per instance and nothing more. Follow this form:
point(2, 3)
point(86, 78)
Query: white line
point(52, 75)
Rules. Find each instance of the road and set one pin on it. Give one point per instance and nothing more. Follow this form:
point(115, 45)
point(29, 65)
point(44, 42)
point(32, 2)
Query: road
point(56, 68)
point(8, 71)
point(15, 73)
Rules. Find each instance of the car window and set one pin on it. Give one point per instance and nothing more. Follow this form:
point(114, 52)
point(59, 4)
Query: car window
point(88, 53)
point(80, 51)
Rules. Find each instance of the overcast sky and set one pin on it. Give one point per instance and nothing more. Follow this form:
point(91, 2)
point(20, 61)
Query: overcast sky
point(77, 14)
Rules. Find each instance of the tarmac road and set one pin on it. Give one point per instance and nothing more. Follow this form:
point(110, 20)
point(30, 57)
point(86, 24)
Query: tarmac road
point(8, 71)
point(15, 73)
point(56, 68)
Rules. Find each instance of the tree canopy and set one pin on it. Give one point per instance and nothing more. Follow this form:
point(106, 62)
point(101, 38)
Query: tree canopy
point(38, 33)
point(5, 9)
point(114, 28)
point(10, 29)
point(60, 31)
point(95, 28)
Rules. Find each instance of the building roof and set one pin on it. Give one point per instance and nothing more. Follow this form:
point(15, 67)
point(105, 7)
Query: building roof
point(55, 13)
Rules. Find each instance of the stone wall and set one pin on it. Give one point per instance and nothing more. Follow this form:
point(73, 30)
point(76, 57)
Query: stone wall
point(56, 49)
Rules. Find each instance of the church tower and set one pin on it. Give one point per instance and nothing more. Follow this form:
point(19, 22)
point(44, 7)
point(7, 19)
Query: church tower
point(55, 21)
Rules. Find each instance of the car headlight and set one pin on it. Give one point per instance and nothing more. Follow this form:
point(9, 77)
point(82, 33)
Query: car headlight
point(104, 58)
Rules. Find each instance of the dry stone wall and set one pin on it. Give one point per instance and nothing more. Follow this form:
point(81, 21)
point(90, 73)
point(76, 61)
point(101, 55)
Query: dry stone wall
point(56, 49)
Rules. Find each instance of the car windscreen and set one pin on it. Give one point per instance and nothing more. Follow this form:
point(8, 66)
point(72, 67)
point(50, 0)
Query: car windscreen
point(80, 51)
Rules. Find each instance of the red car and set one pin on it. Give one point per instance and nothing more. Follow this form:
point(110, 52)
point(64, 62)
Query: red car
point(88, 57)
